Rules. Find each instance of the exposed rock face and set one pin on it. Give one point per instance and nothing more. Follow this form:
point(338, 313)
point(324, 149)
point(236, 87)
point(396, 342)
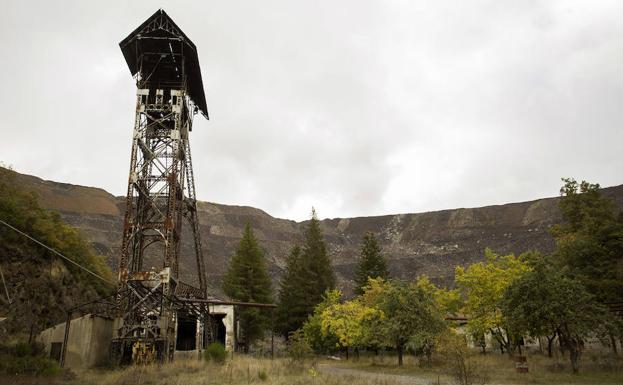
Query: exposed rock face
point(430, 243)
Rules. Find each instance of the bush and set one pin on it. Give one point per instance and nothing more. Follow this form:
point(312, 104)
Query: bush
point(262, 375)
point(454, 350)
point(24, 358)
point(215, 352)
point(298, 347)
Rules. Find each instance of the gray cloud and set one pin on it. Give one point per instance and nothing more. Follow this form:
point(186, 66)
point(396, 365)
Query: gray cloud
point(355, 107)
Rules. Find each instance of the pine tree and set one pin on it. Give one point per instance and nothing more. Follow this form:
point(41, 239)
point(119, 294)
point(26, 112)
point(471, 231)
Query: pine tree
point(247, 280)
point(292, 310)
point(317, 261)
point(371, 264)
point(308, 275)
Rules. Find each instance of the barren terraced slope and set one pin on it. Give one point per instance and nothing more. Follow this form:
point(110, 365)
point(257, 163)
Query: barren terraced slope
point(431, 243)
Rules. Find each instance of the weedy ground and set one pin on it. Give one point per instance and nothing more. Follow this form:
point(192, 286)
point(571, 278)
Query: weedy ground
point(598, 369)
point(237, 371)
point(494, 368)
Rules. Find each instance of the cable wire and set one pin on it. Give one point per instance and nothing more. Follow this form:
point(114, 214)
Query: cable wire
point(6, 290)
point(59, 254)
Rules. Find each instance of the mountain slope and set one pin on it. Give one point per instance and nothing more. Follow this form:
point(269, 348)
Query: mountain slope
point(38, 286)
point(429, 243)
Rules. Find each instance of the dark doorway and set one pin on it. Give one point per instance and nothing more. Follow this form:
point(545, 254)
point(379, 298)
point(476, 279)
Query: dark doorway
point(218, 329)
point(55, 351)
point(186, 332)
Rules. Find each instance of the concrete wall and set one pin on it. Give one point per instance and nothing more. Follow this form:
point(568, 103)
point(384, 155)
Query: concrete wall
point(88, 344)
point(228, 321)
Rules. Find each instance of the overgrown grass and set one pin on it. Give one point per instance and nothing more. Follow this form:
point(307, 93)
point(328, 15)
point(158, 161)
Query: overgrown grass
point(595, 368)
point(499, 369)
point(237, 371)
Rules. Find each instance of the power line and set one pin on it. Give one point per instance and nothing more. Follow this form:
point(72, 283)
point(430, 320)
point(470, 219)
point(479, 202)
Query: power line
point(6, 290)
point(59, 254)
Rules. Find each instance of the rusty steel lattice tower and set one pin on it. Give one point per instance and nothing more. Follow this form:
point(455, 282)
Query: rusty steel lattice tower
point(161, 196)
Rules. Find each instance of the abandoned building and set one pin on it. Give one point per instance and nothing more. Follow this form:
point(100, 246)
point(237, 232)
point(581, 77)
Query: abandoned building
point(89, 339)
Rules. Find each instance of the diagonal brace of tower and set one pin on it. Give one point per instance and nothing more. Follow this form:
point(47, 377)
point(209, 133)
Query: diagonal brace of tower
point(161, 197)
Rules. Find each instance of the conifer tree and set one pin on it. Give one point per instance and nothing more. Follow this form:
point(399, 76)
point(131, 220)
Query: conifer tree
point(292, 311)
point(308, 275)
point(247, 280)
point(317, 261)
point(371, 263)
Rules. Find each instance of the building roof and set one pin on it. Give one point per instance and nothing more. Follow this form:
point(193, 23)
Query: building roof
point(161, 25)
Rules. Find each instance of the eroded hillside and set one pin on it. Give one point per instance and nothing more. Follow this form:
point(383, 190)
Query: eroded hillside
point(426, 243)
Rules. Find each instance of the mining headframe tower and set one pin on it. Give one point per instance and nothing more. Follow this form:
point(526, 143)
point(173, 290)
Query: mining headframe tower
point(161, 195)
point(156, 311)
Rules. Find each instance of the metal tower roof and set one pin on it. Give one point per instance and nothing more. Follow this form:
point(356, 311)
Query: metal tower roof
point(160, 25)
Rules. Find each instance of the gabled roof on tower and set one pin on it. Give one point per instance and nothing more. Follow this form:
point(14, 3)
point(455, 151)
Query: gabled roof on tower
point(161, 25)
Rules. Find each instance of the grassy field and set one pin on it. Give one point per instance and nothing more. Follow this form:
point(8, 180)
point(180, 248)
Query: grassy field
point(500, 369)
point(240, 370)
point(496, 368)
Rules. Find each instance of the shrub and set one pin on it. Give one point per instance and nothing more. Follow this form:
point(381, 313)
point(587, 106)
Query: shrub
point(454, 350)
point(262, 375)
point(24, 358)
point(215, 352)
point(298, 346)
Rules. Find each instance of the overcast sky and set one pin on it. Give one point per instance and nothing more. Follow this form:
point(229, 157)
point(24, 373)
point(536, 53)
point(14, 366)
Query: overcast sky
point(355, 107)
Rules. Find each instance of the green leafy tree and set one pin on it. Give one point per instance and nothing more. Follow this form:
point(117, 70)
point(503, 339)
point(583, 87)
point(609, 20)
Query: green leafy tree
point(411, 316)
point(371, 263)
point(590, 241)
point(448, 301)
point(247, 281)
point(322, 341)
point(483, 285)
point(353, 323)
point(308, 276)
point(546, 302)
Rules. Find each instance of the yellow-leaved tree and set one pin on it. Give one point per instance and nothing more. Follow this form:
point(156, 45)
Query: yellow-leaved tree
point(483, 285)
point(354, 324)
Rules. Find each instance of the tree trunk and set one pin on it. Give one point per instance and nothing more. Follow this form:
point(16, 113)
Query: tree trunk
point(347, 353)
point(32, 328)
point(357, 354)
point(561, 344)
point(399, 349)
point(613, 344)
point(550, 342)
point(574, 356)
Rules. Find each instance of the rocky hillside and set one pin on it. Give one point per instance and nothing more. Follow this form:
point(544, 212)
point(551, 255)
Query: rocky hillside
point(38, 286)
point(429, 243)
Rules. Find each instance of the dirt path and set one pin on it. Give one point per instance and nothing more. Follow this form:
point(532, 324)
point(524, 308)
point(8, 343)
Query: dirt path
point(397, 378)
